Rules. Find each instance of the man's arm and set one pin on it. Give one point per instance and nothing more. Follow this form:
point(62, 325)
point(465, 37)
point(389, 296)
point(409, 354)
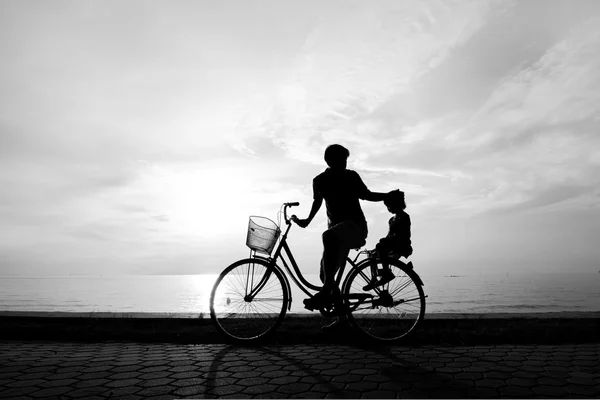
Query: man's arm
point(316, 205)
point(365, 193)
point(373, 196)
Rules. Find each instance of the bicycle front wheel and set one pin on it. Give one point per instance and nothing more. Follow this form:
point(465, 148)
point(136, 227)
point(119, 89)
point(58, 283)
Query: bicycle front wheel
point(389, 312)
point(249, 300)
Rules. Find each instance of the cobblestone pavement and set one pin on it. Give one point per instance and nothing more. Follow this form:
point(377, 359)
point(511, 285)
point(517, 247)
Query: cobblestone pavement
point(137, 370)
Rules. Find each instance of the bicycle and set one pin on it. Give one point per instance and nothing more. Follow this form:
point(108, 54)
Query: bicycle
point(250, 298)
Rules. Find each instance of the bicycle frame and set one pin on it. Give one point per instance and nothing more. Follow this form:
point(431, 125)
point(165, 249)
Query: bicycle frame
point(283, 249)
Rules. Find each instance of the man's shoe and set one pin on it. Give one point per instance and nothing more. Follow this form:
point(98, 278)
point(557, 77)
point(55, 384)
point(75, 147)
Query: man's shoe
point(316, 302)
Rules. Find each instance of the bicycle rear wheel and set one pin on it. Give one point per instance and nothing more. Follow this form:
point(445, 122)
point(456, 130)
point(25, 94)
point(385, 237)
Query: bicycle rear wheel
point(387, 313)
point(249, 300)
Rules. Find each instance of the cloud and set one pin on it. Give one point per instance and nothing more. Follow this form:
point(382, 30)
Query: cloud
point(355, 60)
point(536, 133)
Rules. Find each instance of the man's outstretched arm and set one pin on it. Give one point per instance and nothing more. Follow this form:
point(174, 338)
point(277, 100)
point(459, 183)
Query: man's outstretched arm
point(316, 205)
point(374, 196)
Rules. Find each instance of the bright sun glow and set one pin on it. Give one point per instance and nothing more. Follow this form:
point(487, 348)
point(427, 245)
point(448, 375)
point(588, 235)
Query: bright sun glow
point(202, 202)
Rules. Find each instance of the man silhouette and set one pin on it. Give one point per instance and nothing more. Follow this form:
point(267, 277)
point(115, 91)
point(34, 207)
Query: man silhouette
point(341, 189)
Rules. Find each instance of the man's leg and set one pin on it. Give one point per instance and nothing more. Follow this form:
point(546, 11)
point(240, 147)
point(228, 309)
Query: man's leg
point(337, 242)
point(347, 236)
point(331, 250)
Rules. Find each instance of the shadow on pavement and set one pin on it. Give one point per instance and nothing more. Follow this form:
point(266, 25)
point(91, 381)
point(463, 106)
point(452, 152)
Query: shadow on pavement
point(340, 371)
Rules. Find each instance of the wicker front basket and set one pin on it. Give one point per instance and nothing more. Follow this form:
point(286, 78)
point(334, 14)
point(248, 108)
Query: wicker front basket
point(262, 234)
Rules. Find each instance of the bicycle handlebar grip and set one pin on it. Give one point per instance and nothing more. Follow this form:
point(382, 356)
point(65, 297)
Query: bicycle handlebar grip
point(294, 204)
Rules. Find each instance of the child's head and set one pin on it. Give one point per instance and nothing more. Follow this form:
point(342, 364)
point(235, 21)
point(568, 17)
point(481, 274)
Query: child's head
point(394, 201)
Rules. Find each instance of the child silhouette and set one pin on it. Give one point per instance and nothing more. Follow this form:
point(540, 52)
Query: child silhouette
point(397, 242)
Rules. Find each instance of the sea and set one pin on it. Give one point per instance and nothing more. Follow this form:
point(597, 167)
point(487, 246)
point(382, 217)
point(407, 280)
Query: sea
point(189, 294)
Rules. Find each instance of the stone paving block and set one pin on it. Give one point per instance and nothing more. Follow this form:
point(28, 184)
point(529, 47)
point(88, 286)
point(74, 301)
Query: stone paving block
point(86, 376)
point(556, 381)
point(184, 368)
point(379, 394)
point(395, 386)
point(245, 375)
point(432, 365)
point(551, 391)
point(578, 380)
point(124, 391)
point(160, 397)
point(189, 391)
point(83, 393)
point(349, 394)
point(346, 378)
point(25, 383)
point(258, 390)
point(155, 391)
point(375, 378)
point(123, 382)
point(239, 368)
point(6, 375)
point(268, 368)
point(469, 375)
point(580, 390)
point(363, 386)
point(481, 392)
point(154, 375)
point(189, 382)
point(553, 375)
point(450, 370)
point(95, 368)
point(275, 374)
point(187, 375)
point(125, 368)
point(526, 374)
point(497, 375)
point(334, 372)
point(555, 367)
point(447, 393)
point(226, 390)
point(522, 382)
point(308, 395)
point(311, 379)
point(90, 382)
point(516, 391)
point(253, 381)
point(58, 383)
point(490, 383)
point(155, 382)
point(18, 391)
point(298, 387)
point(284, 380)
point(124, 375)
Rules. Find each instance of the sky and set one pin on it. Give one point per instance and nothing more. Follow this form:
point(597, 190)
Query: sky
point(137, 137)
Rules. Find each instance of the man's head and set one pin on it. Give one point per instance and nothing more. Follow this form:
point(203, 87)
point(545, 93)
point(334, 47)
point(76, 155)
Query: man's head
point(394, 201)
point(336, 156)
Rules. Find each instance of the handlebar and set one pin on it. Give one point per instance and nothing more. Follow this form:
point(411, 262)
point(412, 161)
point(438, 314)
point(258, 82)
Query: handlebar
point(285, 207)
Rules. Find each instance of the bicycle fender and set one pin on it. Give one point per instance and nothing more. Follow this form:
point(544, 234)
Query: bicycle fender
point(288, 288)
point(417, 277)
